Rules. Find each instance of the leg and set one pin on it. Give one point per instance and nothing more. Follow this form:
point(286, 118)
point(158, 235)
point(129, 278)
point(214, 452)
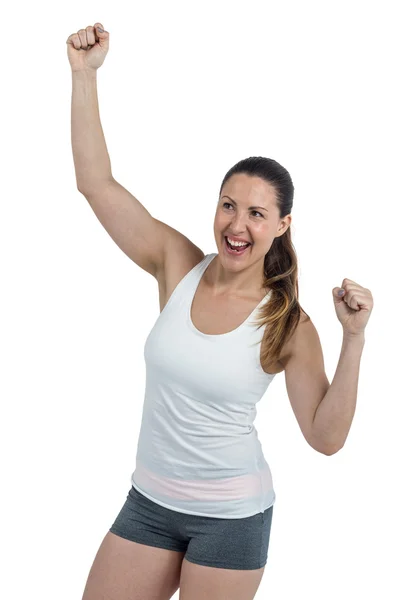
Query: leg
point(226, 558)
point(125, 570)
point(199, 583)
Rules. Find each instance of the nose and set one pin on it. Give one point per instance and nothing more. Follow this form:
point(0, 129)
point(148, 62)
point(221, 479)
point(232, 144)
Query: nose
point(238, 224)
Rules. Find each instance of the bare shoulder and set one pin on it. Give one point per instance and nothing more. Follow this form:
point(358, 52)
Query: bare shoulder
point(180, 256)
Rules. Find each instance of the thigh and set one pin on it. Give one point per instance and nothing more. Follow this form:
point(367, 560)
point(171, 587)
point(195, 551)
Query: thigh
point(226, 557)
point(143, 521)
point(198, 582)
point(126, 570)
point(240, 544)
point(140, 557)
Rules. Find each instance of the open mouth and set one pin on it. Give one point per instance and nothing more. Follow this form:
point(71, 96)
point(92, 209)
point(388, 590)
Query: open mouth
point(235, 250)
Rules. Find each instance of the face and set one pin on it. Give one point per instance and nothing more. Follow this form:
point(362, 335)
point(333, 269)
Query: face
point(247, 209)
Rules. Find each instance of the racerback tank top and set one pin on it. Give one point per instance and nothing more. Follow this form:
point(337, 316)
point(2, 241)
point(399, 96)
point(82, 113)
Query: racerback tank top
point(198, 450)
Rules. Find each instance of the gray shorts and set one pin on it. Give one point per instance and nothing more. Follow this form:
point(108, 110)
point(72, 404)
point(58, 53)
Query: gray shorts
point(224, 543)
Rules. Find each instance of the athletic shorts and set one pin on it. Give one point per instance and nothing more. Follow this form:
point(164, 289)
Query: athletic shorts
point(213, 542)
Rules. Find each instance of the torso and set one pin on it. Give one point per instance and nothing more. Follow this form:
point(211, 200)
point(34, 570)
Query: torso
point(212, 316)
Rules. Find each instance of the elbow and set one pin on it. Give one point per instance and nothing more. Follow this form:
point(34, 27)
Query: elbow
point(319, 444)
point(326, 450)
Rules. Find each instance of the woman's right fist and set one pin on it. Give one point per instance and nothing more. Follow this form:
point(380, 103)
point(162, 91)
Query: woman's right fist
point(87, 49)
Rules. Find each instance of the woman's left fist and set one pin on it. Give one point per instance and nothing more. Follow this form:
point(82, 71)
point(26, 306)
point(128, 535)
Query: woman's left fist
point(353, 308)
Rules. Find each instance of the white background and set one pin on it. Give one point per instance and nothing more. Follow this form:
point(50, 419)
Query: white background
point(186, 91)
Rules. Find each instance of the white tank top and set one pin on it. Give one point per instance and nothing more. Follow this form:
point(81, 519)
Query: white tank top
point(198, 450)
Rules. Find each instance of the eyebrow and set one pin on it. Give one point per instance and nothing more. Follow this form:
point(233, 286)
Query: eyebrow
point(250, 207)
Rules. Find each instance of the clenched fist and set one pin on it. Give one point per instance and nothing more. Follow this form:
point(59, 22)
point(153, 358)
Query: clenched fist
point(87, 49)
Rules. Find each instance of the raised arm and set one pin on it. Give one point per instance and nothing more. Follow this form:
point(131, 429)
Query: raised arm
point(139, 235)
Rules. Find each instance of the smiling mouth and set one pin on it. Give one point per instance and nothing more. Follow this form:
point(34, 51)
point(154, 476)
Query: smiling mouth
point(232, 250)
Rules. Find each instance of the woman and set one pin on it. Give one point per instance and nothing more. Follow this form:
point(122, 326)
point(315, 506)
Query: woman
point(198, 515)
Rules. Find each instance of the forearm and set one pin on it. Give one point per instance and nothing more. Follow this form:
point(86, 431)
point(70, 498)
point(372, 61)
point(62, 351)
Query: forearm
point(334, 415)
point(91, 159)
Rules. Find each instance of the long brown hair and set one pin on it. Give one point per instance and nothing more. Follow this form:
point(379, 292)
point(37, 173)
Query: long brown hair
point(281, 314)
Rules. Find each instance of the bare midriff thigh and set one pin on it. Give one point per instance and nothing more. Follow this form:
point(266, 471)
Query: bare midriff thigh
point(126, 570)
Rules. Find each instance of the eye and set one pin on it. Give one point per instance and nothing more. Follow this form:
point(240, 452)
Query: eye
point(254, 211)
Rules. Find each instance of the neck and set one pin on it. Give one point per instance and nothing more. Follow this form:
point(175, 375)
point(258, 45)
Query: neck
point(243, 283)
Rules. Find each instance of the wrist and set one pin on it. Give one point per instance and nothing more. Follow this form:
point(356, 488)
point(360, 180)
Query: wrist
point(359, 337)
point(84, 73)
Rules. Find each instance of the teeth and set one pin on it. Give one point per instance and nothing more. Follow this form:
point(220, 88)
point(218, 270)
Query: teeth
point(232, 243)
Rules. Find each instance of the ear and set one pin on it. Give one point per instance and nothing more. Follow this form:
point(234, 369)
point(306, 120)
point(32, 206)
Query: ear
point(288, 221)
point(285, 224)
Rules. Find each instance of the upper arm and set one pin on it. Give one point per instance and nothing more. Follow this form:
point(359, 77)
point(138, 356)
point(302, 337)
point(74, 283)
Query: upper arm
point(139, 235)
point(306, 380)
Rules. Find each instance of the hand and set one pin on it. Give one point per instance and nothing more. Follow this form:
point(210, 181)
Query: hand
point(353, 309)
point(88, 48)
